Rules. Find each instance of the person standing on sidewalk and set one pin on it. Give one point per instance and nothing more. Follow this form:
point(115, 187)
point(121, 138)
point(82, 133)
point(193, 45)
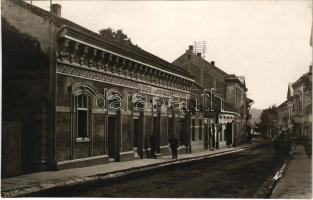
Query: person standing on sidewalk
point(152, 145)
point(308, 148)
point(211, 138)
point(173, 146)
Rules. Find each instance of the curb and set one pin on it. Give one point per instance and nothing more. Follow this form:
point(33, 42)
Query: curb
point(111, 175)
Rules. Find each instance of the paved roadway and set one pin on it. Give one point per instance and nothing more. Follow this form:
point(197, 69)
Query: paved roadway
point(238, 175)
point(47, 180)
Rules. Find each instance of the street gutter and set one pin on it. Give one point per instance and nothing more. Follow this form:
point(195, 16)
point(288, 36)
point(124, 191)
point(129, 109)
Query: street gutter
point(265, 191)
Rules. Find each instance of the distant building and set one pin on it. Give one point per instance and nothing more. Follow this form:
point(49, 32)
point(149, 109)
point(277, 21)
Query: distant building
point(296, 112)
point(302, 106)
point(284, 110)
point(229, 87)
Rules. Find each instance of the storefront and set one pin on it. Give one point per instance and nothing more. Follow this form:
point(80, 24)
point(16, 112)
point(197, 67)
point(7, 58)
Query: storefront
point(109, 104)
point(91, 101)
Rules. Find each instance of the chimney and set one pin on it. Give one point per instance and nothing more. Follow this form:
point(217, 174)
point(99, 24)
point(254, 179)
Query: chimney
point(56, 9)
point(212, 63)
point(310, 69)
point(190, 48)
point(199, 54)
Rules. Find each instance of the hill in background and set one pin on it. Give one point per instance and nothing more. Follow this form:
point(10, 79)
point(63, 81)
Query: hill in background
point(255, 113)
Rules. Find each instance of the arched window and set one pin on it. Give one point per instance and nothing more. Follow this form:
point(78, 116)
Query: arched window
point(82, 105)
point(82, 115)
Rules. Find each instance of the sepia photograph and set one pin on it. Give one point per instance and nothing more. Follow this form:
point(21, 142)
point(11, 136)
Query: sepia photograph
point(156, 99)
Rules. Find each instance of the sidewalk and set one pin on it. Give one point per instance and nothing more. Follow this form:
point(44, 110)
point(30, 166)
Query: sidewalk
point(25, 184)
point(297, 180)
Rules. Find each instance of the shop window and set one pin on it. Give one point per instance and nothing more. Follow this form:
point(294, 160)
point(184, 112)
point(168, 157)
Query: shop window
point(193, 130)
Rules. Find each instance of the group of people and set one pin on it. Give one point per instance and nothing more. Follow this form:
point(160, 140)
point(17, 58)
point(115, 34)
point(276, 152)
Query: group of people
point(286, 141)
point(173, 145)
point(283, 143)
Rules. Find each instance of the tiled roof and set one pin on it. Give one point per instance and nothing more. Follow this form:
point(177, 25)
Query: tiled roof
point(128, 50)
point(208, 64)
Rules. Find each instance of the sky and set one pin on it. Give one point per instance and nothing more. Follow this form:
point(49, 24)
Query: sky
point(267, 41)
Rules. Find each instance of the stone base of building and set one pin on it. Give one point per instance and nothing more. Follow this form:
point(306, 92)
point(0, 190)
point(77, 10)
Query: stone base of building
point(41, 166)
point(222, 145)
point(164, 150)
point(83, 162)
point(181, 150)
point(129, 155)
point(197, 149)
point(146, 153)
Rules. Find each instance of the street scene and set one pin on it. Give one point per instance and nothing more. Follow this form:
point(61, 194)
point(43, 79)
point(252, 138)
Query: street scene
point(230, 176)
point(156, 99)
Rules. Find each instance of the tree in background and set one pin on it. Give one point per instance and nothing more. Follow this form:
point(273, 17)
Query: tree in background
point(107, 33)
point(118, 35)
point(268, 120)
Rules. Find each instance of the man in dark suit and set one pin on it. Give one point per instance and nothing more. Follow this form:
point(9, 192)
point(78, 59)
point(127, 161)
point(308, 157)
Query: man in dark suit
point(173, 145)
point(153, 145)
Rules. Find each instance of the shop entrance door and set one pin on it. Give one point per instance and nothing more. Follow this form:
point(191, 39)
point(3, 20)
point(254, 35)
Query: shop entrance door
point(206, 137)
point(137, 143)
point(182, 131)
point(156, 131)
point(112, 138)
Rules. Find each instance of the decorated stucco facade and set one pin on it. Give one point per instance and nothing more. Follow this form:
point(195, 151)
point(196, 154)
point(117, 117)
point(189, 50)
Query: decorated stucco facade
point(74, 99)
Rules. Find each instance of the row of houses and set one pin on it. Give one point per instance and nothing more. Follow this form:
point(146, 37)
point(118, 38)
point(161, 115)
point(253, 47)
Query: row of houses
point(72, 98)
point(295, 113)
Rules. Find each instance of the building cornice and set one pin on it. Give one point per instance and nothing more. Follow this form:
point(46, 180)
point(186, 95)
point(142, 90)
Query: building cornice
point(75, 35)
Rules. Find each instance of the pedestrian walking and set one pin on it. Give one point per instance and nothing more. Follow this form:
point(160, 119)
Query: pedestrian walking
point(308, 148)
point(152, 145)
point(173, 146)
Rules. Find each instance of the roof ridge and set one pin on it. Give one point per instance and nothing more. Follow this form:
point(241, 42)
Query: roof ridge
point(207, 62)
point(136, 51)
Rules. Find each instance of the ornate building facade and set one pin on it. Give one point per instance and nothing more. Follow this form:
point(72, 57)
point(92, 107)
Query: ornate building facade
point(95, 101)
point(72, 99)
